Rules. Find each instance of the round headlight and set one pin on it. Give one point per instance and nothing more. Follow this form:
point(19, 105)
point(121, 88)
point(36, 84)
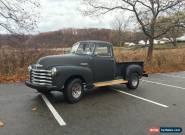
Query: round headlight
point(29, 68)
point(53, 71)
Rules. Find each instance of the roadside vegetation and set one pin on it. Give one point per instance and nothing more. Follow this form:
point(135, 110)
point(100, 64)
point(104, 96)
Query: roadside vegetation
point(152, 21)
point(168, 60)
point(169, 46)
point(14, 62)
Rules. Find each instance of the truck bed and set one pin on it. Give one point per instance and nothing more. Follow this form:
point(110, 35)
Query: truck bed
point(122, 67)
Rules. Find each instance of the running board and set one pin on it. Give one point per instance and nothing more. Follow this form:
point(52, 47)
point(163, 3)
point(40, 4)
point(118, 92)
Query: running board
point(109, 83)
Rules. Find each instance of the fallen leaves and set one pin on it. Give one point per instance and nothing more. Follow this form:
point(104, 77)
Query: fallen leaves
point(13, 78)
point(34, 109)
point(1, 124)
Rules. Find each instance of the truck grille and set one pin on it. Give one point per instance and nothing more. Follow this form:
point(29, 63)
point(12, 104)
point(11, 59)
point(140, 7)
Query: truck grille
point(41, 77)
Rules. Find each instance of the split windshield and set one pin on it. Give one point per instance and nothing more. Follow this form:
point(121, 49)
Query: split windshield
point(82, 48)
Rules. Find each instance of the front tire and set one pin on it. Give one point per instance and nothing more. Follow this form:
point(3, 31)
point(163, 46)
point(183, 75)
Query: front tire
point(133, 81)
point(74, 91)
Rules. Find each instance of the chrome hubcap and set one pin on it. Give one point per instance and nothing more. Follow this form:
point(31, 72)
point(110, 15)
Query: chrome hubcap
point(76, 90)
point(134, 81)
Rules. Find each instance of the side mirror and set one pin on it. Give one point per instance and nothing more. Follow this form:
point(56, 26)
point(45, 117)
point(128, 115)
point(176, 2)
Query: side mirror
point(89, 53)
point(95, 54)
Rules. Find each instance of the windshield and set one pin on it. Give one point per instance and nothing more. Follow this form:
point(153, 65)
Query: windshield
point(82, 48)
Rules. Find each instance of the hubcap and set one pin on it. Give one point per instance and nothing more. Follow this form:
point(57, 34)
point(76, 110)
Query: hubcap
point(134, 81)
point(76, 90)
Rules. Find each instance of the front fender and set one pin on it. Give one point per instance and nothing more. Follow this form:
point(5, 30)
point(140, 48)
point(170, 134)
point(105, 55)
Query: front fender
point(65, 72)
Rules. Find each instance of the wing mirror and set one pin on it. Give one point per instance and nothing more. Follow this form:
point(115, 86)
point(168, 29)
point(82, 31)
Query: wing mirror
point(95, 54)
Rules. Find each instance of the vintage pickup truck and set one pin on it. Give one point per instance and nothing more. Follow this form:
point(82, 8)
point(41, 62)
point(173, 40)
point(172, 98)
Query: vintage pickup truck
point(90, 64)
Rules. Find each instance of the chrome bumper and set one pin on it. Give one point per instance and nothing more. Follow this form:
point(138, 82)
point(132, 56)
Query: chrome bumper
point(40, 87)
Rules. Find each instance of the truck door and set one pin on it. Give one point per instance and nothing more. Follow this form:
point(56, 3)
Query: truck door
point(103, 63)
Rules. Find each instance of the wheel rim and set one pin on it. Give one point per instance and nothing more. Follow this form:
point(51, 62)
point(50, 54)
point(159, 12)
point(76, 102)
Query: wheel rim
point(134, 81)
point(76, 90)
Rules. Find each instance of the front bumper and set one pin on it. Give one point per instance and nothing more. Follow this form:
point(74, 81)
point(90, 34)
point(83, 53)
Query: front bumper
point(40, 87)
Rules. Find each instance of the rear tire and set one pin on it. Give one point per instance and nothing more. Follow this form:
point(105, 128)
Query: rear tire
point(74, 91)
point(133, 81)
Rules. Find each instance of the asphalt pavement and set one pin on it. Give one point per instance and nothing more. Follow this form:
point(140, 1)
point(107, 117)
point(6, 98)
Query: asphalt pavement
point(158, 102)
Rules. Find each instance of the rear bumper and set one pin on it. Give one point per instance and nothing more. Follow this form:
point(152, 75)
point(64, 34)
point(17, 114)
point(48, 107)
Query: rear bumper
point(40, 87)
point(145, 74)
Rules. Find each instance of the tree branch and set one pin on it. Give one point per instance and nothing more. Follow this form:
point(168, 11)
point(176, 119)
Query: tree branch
point(141, 2)
point(170, 5)
point(16, 17)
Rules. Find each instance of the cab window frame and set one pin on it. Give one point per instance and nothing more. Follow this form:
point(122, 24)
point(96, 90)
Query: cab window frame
point(108, 49)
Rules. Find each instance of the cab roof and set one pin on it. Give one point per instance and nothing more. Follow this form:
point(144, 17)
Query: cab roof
point(95, 41)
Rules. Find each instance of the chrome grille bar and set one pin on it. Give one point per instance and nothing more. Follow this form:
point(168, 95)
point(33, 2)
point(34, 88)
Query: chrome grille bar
point(41, 74)
point(41, 83)
point(39, 70)
point(41, 77)
point(39, 80)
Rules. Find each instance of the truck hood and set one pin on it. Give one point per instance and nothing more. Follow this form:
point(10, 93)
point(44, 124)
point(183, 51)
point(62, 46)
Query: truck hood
point(63, 60)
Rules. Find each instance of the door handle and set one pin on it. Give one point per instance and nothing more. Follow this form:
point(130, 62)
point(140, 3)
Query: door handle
point(84, 64)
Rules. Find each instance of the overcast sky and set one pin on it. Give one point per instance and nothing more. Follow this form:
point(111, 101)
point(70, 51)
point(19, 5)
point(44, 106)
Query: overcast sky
point(58, 14)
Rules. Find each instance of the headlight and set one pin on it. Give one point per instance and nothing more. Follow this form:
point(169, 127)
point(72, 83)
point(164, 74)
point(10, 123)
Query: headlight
point(29, 68)
point(53, 71)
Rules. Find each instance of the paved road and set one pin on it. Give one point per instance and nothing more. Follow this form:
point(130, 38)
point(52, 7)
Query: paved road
point(158, 102)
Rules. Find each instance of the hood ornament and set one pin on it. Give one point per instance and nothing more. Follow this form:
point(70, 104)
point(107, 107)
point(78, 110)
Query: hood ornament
point(38, 66)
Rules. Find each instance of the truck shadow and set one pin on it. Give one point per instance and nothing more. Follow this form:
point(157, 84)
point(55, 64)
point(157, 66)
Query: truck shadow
point(55, 97)
point(101, 92)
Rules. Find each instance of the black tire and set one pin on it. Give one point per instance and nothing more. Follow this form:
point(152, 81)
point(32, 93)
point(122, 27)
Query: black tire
point(133, 81)
point(74, 91)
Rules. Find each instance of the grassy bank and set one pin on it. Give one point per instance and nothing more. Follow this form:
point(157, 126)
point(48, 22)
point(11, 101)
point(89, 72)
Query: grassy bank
point(14, 63)
point(167, 60)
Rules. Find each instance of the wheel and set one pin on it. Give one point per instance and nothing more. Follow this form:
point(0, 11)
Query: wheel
point(133, 81)
point(74, 91)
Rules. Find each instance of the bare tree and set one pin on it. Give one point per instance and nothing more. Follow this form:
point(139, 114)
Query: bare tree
point(146, 13)
point(177, 28)
point(18, 16)
point(174, 33)
point(119, 25)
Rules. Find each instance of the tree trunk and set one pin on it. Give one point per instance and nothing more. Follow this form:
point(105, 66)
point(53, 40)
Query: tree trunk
point(174, 36)
point(150, 50)
point(174, 42)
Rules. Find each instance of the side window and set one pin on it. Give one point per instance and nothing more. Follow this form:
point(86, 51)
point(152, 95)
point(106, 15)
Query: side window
point(103, 50)
point(85, 48)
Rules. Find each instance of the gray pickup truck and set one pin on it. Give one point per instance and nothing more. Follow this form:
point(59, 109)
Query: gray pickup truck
point(90, 64)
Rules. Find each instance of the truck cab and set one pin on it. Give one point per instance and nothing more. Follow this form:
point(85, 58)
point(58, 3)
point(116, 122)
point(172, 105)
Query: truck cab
point(89, 64)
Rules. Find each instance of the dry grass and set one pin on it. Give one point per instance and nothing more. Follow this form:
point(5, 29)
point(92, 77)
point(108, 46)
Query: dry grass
point(14, 63)
point(168, 60)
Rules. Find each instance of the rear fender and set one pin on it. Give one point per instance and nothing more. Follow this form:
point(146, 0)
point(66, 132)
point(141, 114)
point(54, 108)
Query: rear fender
point(134, 69)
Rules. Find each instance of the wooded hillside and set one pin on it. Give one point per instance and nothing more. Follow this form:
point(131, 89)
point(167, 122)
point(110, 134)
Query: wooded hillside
point(65, 38)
